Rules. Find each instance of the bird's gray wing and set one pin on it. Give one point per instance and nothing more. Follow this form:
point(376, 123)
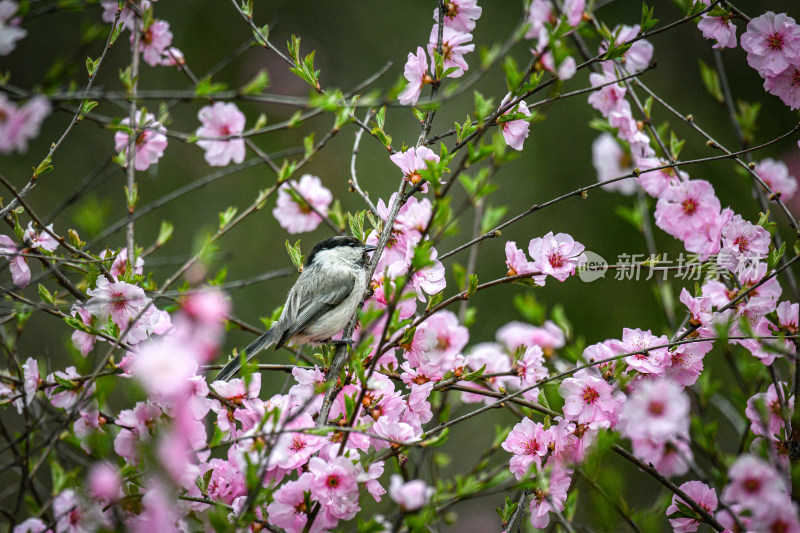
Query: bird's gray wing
point(315, 301)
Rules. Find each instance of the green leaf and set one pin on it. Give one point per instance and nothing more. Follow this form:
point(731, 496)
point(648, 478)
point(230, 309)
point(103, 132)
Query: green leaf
point(483, 106)
point(711, 81)
point(295, 255)
point(419, 114)
point(647, 18)
point(356, 222)
point(164, 233)
point(206, 87)
point(86, 106)
point(257, 84)
point(675, 145)
point(226, 216)
point(262, 35)
point(491, 217)
point(91, 65)
point(43, 168)
point(308, 145)
point(380, 117)
point(45, 295)
point(746, 116)
point(472, 285)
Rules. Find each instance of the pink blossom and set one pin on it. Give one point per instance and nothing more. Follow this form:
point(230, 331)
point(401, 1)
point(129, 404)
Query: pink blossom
point(772, 43)
point(392, 433)
point(20, 272)
point(686, 208)
point(590, 400)
point(104, 483)
point(706, 241)
point(154, 42)
point(10, 32)
point(778, 516)
point(668, 457)
point(454, 46)
point(685, 362)
point(658, 183)
point(656, 409)
point(219, 122)
point(126, 16)
point(416, 72)
point(515, 334)
point(119, 300)
point(610, 161)
point(491, 357)
point(753, 482)
point(135, 424)
point(370, 479)
point(431, 279)
point(764, 412)
point(43, 240)
point(173, 57)
point(31, 380)
point(720, 29)
point(20, 124)
point(743, 244)
point(412, 161)
point(628, 128)
point(551, 498)
point(529, 442)
point(786, 86)
point(573, 9)
point(415, 215)
point(63, 396)
point(208, 306)
point(518, 263)
point(164, 367)
point(296, 216)
point(788, 316)
point(531, 370)
point(150, 141)
point(409, 495)
point(83, 342)
point(436, 343)
point(776, 175)
point(31, 525)
point(564, 70)
point(334, 485)
point(227, 481)
point(289, 509)
point(638, 56)
point(556, 255)
point(515, 131)
point(460, 14)
point(607, 98)
point(120, 264)
point(295, 448)
point(540, 13)
point(705, 496)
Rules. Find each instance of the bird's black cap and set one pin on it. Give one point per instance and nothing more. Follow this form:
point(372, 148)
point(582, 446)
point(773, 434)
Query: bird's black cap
point(332, 242)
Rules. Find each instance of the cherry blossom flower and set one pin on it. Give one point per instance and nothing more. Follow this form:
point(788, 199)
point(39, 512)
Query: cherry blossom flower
point(540, 13)
point(517, 263)
point(706, 241)
point(20, 124)
point(668, 457)
point(705, 496)
point(573, 9)
point(20, 272)
point(590, 400)
point(31, 525)
point(628, 128)
point(412, 161)
point(556, 255)
point(155, 40)
point(549, 337)
point(776, 175)
point(658, 182)
point(31, 379)
point(646, 361)
point(416, 72)
point(786, 86)
point(531, 370)
point(699, 309)
point(656, 409)
point(126, 15)
point(120, 264)
point(392, 433)
point(104, 483)
point(611, 161)
point(295, 448)
point(607, 98)
point(10, 32)
point(119, 300)
point(554, 496)
point(743, 244)
point(638, 56)
point(515, 131)
point(788, 316)
point(772, 43)
point(529, 442)
point(334, 485)
point(686, 208)
point(83, 342)
point(753, 483)
point(415, 215)
point(295, 215)
point(454, 46)
point(73, 515)
point(135, 424)
point(173, 57)
point(436, 343)
point(460, 15)
point(684, 363)
point(220, 121)
point(165, 367)
point(289, 508)
point(43, 240)
point(720, 29)
point(59, 395)
point(491, 357)
point(764, 412)
point(410, 495)
point(150, 141)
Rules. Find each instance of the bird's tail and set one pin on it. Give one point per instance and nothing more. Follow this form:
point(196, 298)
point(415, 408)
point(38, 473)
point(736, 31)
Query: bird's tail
point(233, 366)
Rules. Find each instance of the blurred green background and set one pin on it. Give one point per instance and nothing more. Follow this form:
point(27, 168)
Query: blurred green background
point(353, 40)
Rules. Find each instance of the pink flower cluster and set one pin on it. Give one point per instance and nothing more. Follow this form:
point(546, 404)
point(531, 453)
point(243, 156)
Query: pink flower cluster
point(19, 124)
point(155, 39)
point(150, 142)
point(459, 21)
point(772, 43)
point(295, 200)
point(221, 123)
point(543, 21)
point(10, 32)
point(552, 255)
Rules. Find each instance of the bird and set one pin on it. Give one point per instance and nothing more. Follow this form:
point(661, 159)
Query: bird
point(328, 291)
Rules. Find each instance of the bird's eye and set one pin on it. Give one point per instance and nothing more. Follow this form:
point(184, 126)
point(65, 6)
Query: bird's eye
point(351, 244)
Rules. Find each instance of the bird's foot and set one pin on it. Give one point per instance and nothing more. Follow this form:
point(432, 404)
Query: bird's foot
point(339, 342)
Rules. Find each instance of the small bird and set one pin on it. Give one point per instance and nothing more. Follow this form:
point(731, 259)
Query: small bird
point(327, 293)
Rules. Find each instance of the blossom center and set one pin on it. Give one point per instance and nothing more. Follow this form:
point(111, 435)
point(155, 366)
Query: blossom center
point(656, 408)
point(775, 41)
point(332, 481)
point(742, 242)
point(590, 395)
point(689, 206)
point(556, 260)
point(752, 484)
point(532, 447)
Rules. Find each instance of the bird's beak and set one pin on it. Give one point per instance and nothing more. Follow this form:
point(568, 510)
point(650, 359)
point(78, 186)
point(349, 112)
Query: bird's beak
point(369, 248)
